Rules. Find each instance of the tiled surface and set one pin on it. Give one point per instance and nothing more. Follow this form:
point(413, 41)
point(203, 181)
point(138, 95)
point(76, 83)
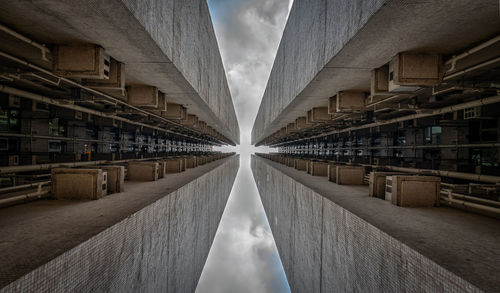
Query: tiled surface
point(324, 247)
point(160, 248)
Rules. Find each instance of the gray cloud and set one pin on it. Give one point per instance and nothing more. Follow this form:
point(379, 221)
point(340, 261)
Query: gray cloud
point(243, 257)
point(248, 33)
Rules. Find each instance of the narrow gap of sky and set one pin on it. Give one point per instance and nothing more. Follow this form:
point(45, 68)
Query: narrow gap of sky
point(243, 256)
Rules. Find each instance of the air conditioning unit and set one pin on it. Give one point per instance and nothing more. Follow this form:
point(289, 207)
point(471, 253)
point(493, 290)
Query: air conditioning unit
point(412, 191)
point(174, 165)
point(162, 102)
point(319, 114)
point(175, 111)
point(104, 183)
point(81, 61)
point(388, 188)
point(350, 175)
point(191, 120)
point(301, 123)
point(332, 105)
point(191, 162)
point(377, 183)
point(202, 125)
point(78, 183)
point(319, 169)
point(116, 78)
point(143, 171)
point(379, 81)
point(143, 96)
point(350, 101)
point(409, 72)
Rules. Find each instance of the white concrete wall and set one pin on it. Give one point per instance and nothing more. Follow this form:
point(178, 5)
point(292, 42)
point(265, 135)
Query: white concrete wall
point(332, 45)
point(161, 248)
point(315, 32)
point(324, 247)
point(184, 31)
point(169, 44)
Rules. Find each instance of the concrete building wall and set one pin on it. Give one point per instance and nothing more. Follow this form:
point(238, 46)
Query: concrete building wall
point(184, 32)
point(332, 45)
point(315, 32)
point(169, 44)
point(326, 248)
point(161, 248)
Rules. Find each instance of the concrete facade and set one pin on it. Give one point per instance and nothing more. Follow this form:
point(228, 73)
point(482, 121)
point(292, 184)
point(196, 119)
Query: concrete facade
point(334, 238)
point(332, 45)
point(167, 44)
point(161, 247)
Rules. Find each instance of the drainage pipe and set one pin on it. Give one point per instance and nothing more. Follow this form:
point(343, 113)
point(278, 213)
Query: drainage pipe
point(13, 188)
point(24, 198)
point(453, 60)
point(17, 35)
point(43, 167)
point(472, 68)
point(441, 173)
point(451, 195)
point(456, 202)
point(449, 174)
point(59, 103)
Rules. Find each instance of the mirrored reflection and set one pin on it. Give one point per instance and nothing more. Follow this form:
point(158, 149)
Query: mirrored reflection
point(243, 257)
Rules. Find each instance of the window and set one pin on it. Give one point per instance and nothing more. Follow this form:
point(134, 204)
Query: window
point(473, 112)
point(56, 127)
point(433, 135)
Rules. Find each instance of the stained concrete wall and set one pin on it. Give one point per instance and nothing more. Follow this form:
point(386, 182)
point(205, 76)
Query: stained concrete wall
point(332, 45)
point(184, 31)
point(316, 30)
point(169, 44)
point(327, 248)
point(161, 248)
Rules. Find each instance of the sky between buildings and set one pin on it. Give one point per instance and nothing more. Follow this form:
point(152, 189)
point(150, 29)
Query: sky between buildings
point(243, 257)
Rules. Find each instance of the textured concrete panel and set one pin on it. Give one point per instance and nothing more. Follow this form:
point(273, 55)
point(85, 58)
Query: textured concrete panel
point(160, 248)
point(342, 242)
point(184, 31)
point(169, 44)
point(331, 45)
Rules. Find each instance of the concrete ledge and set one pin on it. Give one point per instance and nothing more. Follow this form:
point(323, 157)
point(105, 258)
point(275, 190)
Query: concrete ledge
point(154, 237)
point(335, 238)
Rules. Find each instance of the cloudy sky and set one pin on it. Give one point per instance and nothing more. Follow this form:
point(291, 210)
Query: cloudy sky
point(243, 257)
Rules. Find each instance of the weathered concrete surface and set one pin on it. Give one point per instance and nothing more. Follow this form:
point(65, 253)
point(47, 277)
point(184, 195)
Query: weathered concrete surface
point(169, 44)
point(335, 238)
point(154, 237)
point(331, 45)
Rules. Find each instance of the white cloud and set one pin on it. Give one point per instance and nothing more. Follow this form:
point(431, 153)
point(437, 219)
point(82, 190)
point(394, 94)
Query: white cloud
point(243, 257)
